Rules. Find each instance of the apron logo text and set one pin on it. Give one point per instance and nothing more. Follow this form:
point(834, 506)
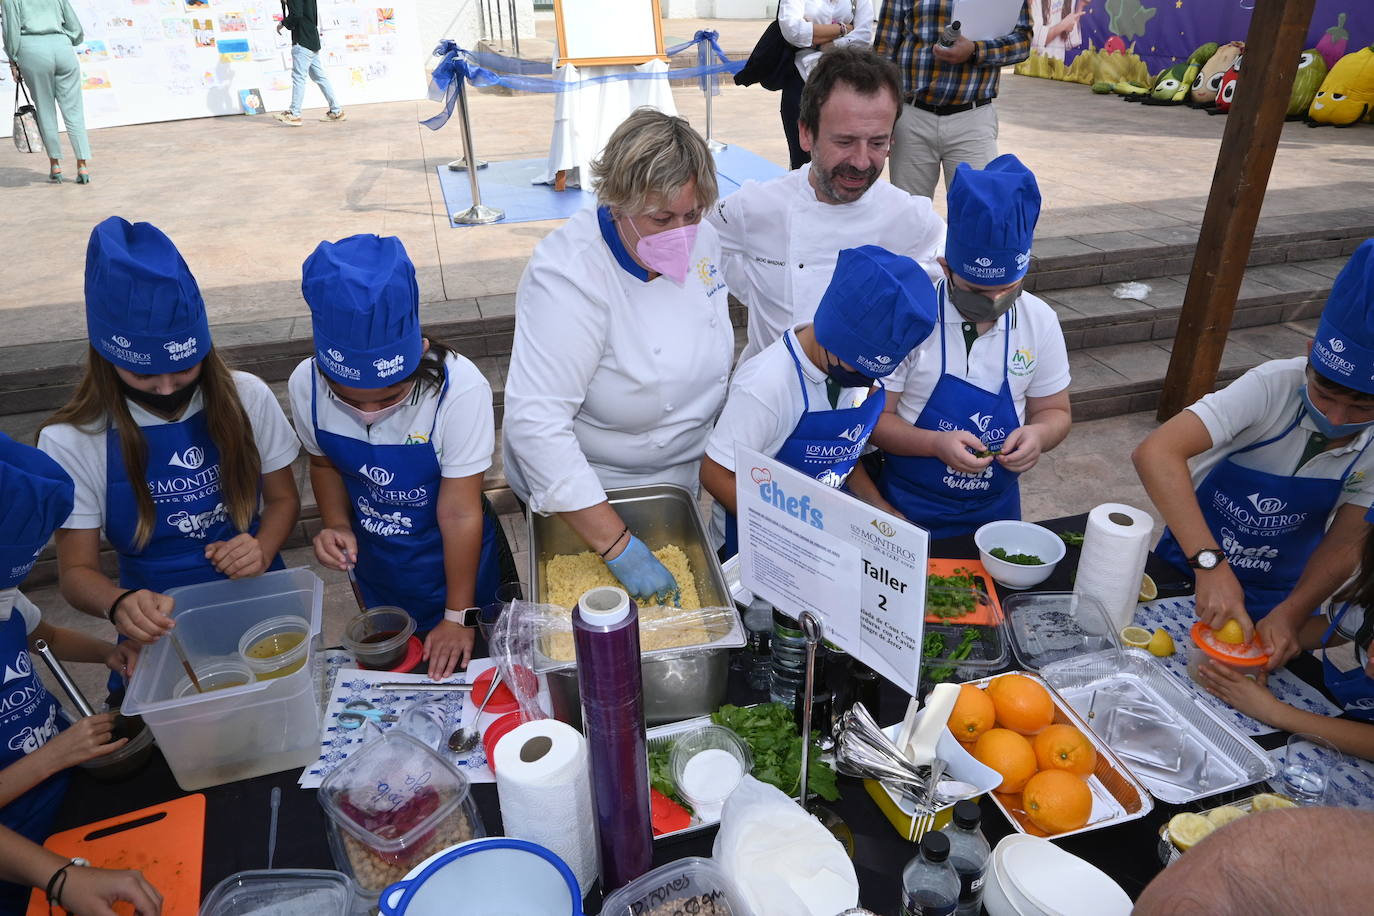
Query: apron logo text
point(1270, 523)
point(198, 525)
point(382, 524)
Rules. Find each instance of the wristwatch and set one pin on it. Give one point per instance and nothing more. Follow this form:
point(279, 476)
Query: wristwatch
point(1207, 558)
point(467, 617)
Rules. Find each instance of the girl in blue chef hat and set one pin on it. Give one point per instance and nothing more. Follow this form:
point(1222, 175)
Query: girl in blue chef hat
point(183, 465)
point(400, 432)
point(37, 747)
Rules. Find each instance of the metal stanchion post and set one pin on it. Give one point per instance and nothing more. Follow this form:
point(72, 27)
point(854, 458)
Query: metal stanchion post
point(514, 29)
point(814, 632)
point(476, 214)
point(712, 144)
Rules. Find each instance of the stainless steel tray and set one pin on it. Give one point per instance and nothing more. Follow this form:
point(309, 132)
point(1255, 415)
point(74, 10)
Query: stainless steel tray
point(1117, 795)
point(1216, 757)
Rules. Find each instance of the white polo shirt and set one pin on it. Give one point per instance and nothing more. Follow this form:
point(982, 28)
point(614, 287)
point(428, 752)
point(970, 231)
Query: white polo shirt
point(81, 452)
point(1261, 404)
point(614, 379)
point(765, 404)
point(463, 424)
point(780, 244)
point(1037, 362)
point(25, 609)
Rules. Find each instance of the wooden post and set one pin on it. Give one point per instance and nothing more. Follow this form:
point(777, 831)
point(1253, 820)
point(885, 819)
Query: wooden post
point(1278, 29)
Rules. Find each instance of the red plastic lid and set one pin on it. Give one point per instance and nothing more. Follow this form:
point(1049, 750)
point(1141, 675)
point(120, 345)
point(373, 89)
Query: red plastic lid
point(504, 700)
point(1212, 647)
point(498, 730)
point(415, 650)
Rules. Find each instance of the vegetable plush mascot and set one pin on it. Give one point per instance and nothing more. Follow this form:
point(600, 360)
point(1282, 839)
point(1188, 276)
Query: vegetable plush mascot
point(1346, 96)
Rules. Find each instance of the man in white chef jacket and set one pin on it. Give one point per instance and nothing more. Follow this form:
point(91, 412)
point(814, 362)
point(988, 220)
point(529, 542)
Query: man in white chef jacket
point(780, 239)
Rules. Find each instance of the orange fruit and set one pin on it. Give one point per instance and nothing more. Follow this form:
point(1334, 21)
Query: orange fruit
point(1057, 801)
point(973, 714)
point(1009, 754)
point(1063, 747)
point(1021, 704)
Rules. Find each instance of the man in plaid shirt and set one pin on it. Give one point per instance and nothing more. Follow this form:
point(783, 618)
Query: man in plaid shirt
point(948, 116)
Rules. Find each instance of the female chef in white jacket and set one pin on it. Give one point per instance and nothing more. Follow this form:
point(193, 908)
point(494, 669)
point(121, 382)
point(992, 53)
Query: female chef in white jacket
point(622, 344)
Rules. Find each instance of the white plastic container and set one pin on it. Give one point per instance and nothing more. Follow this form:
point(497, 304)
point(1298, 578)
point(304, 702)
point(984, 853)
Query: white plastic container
point(240, 732)
point(692, 884)
point(276, 647)
point(486, 877)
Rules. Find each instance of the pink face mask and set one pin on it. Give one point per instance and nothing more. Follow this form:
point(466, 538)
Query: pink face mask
point(369, 417)
point(668, 252)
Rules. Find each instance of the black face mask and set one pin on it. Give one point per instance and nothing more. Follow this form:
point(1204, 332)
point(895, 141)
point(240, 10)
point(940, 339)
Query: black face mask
point(848, 378)
point(977, 307)
point(167, 404)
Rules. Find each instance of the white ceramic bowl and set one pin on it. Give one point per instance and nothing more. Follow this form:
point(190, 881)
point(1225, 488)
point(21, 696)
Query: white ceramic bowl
point(995, 900)
point(1055, 881)
point(1011, 897)
point(1018, 537)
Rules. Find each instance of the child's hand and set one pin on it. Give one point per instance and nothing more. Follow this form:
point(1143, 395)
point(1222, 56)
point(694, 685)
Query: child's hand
point(122, 658)
point(240, 557)
point(87, 739)
point(1245, 694)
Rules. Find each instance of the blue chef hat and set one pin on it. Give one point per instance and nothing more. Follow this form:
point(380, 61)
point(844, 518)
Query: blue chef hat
point(878, 308)
point(992, 216)
point(365, 306)
point(35, 499)
point(1343, 350)
point(143, 308)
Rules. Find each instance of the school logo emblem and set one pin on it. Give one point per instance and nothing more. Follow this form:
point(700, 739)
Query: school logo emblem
point(122, 341)
point(852, 435)
point(1022, 362)
point(380, 476)
point(983, 262)
point(982, 421)
point(1267, 505)
point(191, 459)
point(1337, 345)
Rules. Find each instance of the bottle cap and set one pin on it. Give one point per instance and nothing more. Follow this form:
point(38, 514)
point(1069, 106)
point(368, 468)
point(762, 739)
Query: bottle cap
point(605, 606)
point(935, 846)
point(967, 814)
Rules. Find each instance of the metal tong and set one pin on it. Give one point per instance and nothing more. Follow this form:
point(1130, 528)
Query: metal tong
point(63, 678)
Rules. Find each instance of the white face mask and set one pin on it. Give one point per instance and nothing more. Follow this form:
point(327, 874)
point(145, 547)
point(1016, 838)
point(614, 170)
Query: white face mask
point(7, 598)
point(371, 417)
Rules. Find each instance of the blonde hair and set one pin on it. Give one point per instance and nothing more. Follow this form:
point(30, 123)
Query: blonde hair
point(650, 157)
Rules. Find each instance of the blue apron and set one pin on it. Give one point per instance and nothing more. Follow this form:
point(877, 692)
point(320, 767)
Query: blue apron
point(825, 444)
point(1266, 524)
point(1353, 689)
point(946, 502)
point(394, 494)
point(182, 475)
point(29, 719)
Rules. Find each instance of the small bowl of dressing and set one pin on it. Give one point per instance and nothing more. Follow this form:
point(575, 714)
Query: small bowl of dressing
point(276, 647)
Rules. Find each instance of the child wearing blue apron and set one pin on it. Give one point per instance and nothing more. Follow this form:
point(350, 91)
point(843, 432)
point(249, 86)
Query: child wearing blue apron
point(956, 463)
point(1248, 528)
point(400, 431)
point(37, 747)
point(184, 465)
point(806, 399)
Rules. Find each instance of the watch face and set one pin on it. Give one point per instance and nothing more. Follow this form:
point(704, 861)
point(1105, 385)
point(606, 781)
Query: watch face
point(1207, 559)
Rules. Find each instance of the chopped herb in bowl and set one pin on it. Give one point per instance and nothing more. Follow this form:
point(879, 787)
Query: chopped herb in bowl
point(1020, 559)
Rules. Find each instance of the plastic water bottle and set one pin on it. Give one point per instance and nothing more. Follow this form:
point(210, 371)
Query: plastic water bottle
point(758, 623)
point(788, 663)
point(930, 885)
point(969, 853)
point(950, 35)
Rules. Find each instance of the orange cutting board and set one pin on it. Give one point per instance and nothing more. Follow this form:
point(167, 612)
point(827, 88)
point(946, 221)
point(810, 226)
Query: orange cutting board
point(165, 842)
point(984, 616)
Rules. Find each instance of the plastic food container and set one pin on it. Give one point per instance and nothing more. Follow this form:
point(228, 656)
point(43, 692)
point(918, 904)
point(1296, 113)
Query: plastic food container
point(957, 651)
point(280, 892)
point(377, 638)
point(213, 674)
point(692, 885)
point(1019, 537)
point(392, 804)
point(486, 877)
point(498, 730)
point(1247, 658)
point(703, 781)
point(237, 732)
point(276, 647)
point(1047, 627)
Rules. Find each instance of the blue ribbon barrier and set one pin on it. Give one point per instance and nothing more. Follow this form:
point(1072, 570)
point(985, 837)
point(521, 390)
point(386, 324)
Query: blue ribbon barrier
point(488, 68)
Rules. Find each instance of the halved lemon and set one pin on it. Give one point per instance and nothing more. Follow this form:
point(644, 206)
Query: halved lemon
point(1231, 633)
point(1161, 644)
point(1224, 815)
point(1135, 637)
point(1148, 590)
point(1188, 829)
point(1268, 801)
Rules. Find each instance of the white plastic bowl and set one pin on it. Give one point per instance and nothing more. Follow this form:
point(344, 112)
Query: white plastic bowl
point(995, 900)
point(1019, 537)
point(1011, 899)
point(486, 876)
point(1055, 881)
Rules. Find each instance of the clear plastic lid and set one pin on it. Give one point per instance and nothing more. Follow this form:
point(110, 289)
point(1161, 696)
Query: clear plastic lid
point(1048, 626)
point(964, 635)
point(393, 794)
point(691, 885)
point(281, 892)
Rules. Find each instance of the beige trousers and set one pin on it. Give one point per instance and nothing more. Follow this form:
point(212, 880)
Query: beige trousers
point(923, 142)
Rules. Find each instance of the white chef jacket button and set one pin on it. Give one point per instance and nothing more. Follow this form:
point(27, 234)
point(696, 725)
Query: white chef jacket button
point(657, 350)
point(721, 380)
point(713, 322)
point(667, 406)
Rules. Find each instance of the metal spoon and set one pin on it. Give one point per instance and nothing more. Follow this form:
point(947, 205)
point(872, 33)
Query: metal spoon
point(461, 742)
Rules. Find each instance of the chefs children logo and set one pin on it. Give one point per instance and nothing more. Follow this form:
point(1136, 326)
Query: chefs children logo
point(382, 524)
point(30, 738)
point(180, 350)
point(198, 524)
point(710, 277)
point(191, 459)
point(389, 367)
point(773, 494)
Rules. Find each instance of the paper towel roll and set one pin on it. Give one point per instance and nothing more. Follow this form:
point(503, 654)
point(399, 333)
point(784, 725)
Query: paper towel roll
point(544, 783)
point(1116, 542)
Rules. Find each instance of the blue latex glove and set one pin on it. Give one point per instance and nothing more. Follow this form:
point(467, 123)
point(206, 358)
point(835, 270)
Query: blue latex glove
point(644, 577)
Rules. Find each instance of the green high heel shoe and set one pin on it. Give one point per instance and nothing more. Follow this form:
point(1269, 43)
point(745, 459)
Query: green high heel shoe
point(55, 174)
point(83, 176)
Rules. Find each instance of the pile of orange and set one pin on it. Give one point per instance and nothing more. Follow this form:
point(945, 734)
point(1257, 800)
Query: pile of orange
point(1010, 727)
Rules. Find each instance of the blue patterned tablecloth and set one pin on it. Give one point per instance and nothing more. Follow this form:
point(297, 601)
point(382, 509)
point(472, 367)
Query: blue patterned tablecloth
point(1351, 787)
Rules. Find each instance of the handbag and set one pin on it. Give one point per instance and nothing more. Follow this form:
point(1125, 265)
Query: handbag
point(771, 62)
point(26, 136)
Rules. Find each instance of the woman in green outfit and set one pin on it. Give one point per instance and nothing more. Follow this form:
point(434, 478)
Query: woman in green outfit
point(39, 37)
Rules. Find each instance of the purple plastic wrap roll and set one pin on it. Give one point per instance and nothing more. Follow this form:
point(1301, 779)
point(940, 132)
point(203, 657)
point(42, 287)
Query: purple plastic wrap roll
point(606, 637)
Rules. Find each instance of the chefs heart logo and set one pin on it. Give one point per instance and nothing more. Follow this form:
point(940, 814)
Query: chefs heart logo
point(1267, 505)
point(380, 476)
point(760, 475)
point(191, 459)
